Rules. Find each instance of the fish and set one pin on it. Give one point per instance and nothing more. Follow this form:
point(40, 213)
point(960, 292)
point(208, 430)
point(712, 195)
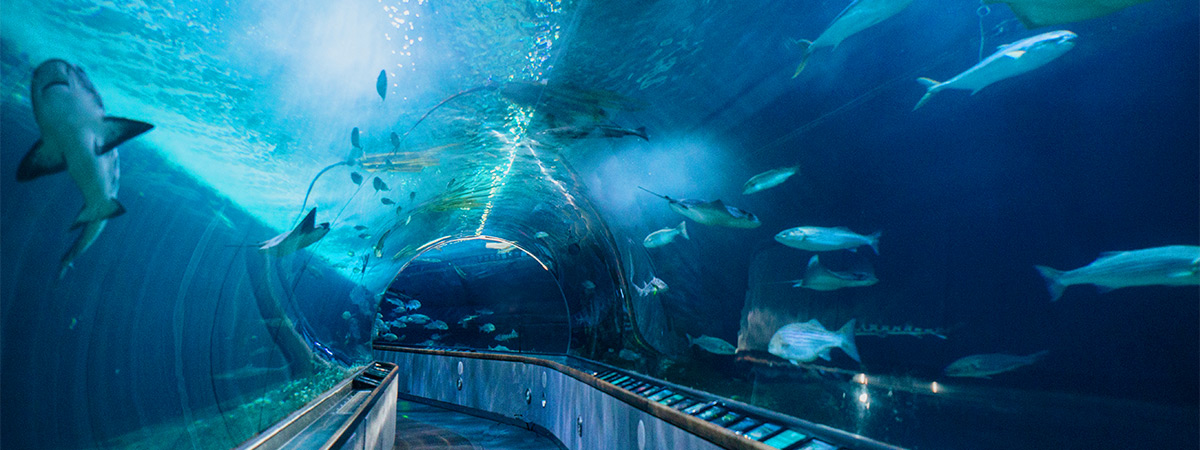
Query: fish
point(588, 285)
point(714, 213)
point(806, 341)
point(463, 321)
point(346, 315)
point(484, 312)
point(412, 196)
point(416, 319)
point(306, 233)
point(360, 227)
point(437, 325)
point(768, 179)
point(381, 85)
point(499, 348)
point(379, 244)
point(395, 141)
point(380, 325)
point(391, 337)
point(986, 365)
point(1044, 13)
point(387, 201)
point(541, 235)
point(356, 178)
point(1009, 61)
point(501, 247)
point(583, 131)
point(629, 355)
point(820, 239)
point(379, 184)
point(397, 323)
point(1173, 265)
point(712, 345)
point(665, 236)
point(487, 328)
point(354, 138)
point(654, 286)
point(412, 304)
point(437, 336)
point(858, 16)
point(507, 336)
point(818, 277)
point(77, 136)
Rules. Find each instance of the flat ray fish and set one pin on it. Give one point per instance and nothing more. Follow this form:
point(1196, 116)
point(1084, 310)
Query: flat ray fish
point(1044, 13)
point(860, 15)
point(986, 365)
point(1009, 61)
point(305, 234)
point(818, 277)
point(1173, 265)
point(79, 138)
point(713, 212)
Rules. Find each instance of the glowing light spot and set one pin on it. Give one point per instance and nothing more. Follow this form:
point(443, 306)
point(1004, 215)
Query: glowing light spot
point(864, 398)
point(934, 387)
point(861, 379)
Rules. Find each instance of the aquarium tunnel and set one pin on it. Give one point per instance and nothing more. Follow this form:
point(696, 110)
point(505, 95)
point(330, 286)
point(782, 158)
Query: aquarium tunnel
point(587, 224)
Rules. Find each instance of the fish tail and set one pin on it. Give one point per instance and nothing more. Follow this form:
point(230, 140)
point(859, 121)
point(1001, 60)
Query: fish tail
point(1053, 281)
point(104, 211)
point(1038, 356)
point(873, 241)
point(847, 333)
point(690, 340)
point(806, 46)
point(932, 87)
point(683, 229)
point(654, 193)
point(641, 132)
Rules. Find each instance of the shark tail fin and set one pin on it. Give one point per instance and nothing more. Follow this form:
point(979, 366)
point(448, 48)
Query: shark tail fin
point(683, 229)
point(1053, 283)
point(806, 46)
point(117, 130)
point(104, 211)
point(931, 87)
point(873, 241)
point(848, 346)
point(641, 132)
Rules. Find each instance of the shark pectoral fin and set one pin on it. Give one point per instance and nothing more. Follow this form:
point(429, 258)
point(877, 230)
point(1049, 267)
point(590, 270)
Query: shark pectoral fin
point(112, 208)
point(40, 161)
point(1015, 54)
point(309, 223)
point(117, 130)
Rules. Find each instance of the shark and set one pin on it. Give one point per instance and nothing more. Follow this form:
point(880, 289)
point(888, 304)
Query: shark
point(78, 137)
point(713, 212)
point(858, 16)
point(1009, 61)
point(304, 235)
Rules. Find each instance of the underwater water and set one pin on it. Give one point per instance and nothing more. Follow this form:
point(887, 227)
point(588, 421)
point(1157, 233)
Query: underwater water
point(491, 175)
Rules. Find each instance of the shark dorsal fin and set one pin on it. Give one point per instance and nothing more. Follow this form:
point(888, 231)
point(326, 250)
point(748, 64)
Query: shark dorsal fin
point(117, 130)
point(309, 223)
point(1015, 54)
point(814, 262)
point(40, 161)
point(718, 204)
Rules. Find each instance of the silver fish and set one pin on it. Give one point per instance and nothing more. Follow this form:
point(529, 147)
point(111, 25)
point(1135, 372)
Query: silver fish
point(806, 341)
point(820, 239)
point(986, 365)
point(79, 138)
point(417, 319)
point(654, 286)
point(665, 236)
point(860, 15)
point(712, 344)
point(437, 325)
point(768, 179)
point(1011, 60)
point(487, 328)
point(1173, 265)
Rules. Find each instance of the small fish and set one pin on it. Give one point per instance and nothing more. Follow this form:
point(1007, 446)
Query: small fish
point(391, 337)
point(397, 323)
point(819, 239)
point(354, 138)
point(356, 178)
point(415, 319)
point(768, 179)
point(412, 196)
point(364, 235)
point(860, 15)
point(387, 201)
point(1011, 60)
point(541, 235)
point(379, 244)
point(714, 213)
point(346, 315)
point(381, 85)
point(509, 336)
point(437, 325)
point(1173, 265)
point(712, 344)
point(395, 141)
point(428, 343)
point(500, 348)
point(305, 234)
point(652, 287)
point(806, 341)
point(379, 184)
point(588, 285)
point(986, 365)
point(463, 321)
point(412, 304)
point(487, 328)
point(437, 336)
point(380, 326)
point(74, 322)
point(451, 183)
point(820, 278)
point(484, 312)
point(665, 236)
point(360, 227)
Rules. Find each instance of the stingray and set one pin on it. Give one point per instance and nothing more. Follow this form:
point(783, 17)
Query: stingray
point(304, 235)
point(1043, 13)
point(713, 212)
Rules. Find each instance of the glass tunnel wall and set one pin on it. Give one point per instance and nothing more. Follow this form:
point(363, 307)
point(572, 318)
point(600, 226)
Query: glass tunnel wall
point(488, 190)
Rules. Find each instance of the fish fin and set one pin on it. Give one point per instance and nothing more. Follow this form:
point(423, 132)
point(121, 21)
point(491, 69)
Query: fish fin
point(111, 208)
point(806, 46)
point(117, 130)
point(40, 161)
point(873, 239)
point(690, 340)
point(815, 261)
point(641, 132)
point(1053, 284)
point(1110, 254)
point(1015, 54)
point(1038, 356)
point(683, 229)
point(1104, 289)
point(799, 283)
point(824, 354)
point(309, 223)
point(848, 346)
point(931, 87)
